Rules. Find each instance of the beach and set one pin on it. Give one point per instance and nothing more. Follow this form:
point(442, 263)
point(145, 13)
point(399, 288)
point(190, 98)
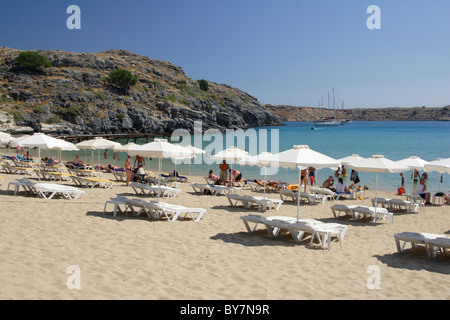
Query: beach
point(126, 257)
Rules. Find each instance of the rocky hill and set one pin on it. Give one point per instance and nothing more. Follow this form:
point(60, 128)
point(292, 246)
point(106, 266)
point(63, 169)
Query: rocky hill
point(73, 96)
point(292, 113)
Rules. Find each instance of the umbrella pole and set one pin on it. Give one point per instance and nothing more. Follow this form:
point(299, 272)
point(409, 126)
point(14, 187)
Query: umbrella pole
point(159, 177)
point(39, 157)
point(412, 182)
point(376, 195)
point(298, 194)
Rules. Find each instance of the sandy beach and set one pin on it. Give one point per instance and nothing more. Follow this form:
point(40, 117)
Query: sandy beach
point(127, 257)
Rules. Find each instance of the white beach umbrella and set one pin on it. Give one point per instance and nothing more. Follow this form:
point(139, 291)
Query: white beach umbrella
point(378, 164)
point(439, 165)
point(261, 160)
point(124, 148)
point(182, 152)
point(231, 154)
point(16, 141)
point(43, 141)
point(302, 157)
point(350, 158)
point(196, 152)
point(413, 162)
point(96, 144)
point(159, 149)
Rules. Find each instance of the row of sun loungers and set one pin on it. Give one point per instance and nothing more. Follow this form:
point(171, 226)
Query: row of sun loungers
point(434, 243)
point(213, 189)
point(398, 204)
point(298, 229)
point(153, 209)
point(249, 202)
point(45, 190)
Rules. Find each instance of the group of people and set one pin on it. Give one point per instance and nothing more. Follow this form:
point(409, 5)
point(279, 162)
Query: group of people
point(227, 175)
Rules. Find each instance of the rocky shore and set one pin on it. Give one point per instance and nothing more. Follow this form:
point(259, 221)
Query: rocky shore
point(73, 96)
point(293, 113)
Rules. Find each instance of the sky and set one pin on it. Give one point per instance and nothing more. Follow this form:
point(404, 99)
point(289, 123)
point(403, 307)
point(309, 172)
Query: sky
point(283, 52)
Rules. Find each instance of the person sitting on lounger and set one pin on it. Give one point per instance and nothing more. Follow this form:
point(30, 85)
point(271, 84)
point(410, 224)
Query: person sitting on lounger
point(329, 183)
point(212, 176)
point(341, 187)
point(27, 156)
point(115, 168)
point(78, 161)
point(421, 188)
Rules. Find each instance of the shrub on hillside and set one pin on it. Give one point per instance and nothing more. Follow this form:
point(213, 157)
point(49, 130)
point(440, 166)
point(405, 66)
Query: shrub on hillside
point(32, 61)
point(123, 79)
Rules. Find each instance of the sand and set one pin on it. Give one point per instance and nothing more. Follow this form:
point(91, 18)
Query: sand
point(216, 258)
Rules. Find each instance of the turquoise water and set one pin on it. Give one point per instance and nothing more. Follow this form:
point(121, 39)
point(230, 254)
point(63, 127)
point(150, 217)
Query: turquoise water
point(393, 140)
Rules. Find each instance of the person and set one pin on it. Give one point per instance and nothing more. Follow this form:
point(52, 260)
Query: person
point(424, 176)
point(128, 170)
point(354, 176)
point(112, 168)
point(78, 162)
point(344, 171)
point(224, 171)
point(421, 188)
point(337, 173)
point(340, 187)
point(329, 183)
point(403, 179)
point(27, 156)
point(415, 175)
point(312, 175)
point(304, 178)
point(212, 176)
point(139, 162)
point(235, 175)
point(106, 154)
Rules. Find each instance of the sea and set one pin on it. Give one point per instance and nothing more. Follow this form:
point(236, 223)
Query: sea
point(395, 140)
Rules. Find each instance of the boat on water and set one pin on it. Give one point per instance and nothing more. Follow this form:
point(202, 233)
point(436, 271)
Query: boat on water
point(330, 121)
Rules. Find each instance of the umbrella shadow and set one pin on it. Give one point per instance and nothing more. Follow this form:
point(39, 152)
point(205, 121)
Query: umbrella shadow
point(258, 238)
point(416, 259)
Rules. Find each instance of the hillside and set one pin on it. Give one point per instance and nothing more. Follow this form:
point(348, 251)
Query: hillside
point(292, 113)
point(73, 96)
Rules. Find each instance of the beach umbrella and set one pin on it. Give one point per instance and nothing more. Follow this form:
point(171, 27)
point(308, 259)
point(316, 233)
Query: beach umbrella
point(124, 148)
point(302, 157)
point(231, 154)
point(43, 141)
point(413, 162)
point(196, 151)
point(158, 149)
point(377, 164)
point(182, 152)
point(439, 165)
point(261, 160)
point(350, 158)
point(96, 144)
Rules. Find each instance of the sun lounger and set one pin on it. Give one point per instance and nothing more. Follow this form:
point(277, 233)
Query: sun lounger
point(56, 176)
point(337, 209)
point(84, 172)
point(325, 193)
point(416, 199)
point(438, 245)
point(224, 190)
point(153, 190)
point(382, 202)
point(248, 201)
point(119, 175)
point(293, 195)
point(48, 191)
point(160, 209)
point(415, 238)
point(19, 170)
point(298, 228)
point(201, 188)
point(116, 202)
point(91, 182)
point(376, 214)
point(400, 204)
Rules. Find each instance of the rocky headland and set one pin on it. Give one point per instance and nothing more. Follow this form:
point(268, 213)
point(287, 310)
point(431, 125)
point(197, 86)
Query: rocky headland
point(73, 96)
point(293, 113)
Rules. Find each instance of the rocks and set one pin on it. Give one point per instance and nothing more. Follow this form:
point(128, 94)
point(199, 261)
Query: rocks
point(75, 90)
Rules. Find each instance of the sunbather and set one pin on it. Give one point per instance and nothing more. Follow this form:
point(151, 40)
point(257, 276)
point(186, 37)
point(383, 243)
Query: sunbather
point(212, 176)
point(329, 183)
point(421, 188)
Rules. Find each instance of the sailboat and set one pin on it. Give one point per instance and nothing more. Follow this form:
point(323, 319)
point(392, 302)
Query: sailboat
point(328, 121)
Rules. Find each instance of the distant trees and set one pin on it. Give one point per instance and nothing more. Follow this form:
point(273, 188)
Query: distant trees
point(32, 61)
point(122, 79)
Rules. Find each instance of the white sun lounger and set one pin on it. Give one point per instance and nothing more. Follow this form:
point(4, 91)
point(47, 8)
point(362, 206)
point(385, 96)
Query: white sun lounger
point(337, 209)
point(416, 199)
point(298, 228)
point(248, 202)
point(116, 202)
point(152, 190)
point(382, 202)
point(293, 195)
point(91, 182)
point(325, 193)
point(201, 188)
point(415, 238)
point(377, 214)
point(437, 245)
point(49, 190)
point(224, 190)
point(400, 204)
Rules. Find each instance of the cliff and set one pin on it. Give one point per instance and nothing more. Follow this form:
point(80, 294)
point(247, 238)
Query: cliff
point(73, 96)
point(292, 113)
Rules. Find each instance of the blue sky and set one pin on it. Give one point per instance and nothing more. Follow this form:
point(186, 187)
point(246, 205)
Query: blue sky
point(282, 52)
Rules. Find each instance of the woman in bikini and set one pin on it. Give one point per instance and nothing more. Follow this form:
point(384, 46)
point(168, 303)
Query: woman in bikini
point(128, 169)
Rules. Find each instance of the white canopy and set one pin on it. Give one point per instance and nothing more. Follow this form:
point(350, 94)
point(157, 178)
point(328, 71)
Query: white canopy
point(42, 141)
point(439, 165)
point(232, 154)
point(301, 157)
point(378, 164)
point(351, 158)
point(97, 143)
point(5, 137)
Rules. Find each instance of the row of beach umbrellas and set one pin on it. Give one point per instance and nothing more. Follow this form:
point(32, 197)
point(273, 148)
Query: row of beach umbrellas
point(298, 157)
